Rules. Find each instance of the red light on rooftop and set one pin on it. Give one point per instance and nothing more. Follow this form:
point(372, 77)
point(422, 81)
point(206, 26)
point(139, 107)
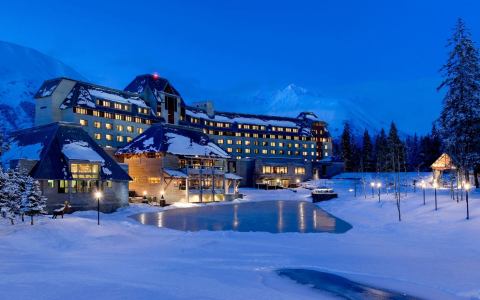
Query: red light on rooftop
point(155, 75)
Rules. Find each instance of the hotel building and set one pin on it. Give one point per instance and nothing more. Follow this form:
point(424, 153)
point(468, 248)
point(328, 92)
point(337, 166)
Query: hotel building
point(265, 150)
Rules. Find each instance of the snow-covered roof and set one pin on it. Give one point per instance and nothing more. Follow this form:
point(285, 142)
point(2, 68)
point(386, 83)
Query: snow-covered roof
point(54, 146)
point(232, 176)
point(159, 86)
point(81, 150)
point(47, 88)
point(245, 119)
point(84, 94)
point(177, 140)
point(303, 122)
point(175, 173)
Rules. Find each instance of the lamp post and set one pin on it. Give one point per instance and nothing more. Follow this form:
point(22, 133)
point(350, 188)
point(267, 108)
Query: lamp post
point(423, 190)
point(372, 184)
point(467, 187)
point(379, 185)
point(98, 195)
point(435, 185)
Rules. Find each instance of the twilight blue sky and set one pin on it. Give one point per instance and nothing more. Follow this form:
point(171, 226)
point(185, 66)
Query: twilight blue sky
point(384, 55)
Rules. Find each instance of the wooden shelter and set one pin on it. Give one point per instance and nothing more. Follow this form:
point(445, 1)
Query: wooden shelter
point(442, 164)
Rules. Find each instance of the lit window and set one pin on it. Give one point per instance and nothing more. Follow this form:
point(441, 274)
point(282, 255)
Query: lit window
point(154, 180)
point(119, 138)
point(220, 141)
point(108, 126)
point(97, 124)
point(98, 136)
point(119, 127)
point(299, 171)
point(83, 122)
point(229, 150)
point(108, 137)
point(139, 130)
point(84, 170)
point(229, 142)
point(129, 139)
point(51, 183)
point(130, 128)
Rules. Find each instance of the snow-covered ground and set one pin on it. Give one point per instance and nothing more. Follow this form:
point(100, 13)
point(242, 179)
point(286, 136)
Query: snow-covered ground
point(430, 254)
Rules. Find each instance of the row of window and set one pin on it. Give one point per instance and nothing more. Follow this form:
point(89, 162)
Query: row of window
point(257, 135)
point(272, 151)
point(107, 115)
point(242, 126)
point(282, 170)
point(109, 137)
point(109, 126)
point(265, 144)
point(78, 186)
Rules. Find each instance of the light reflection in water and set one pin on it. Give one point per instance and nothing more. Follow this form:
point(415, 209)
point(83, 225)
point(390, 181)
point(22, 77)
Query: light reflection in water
point(265, 216)
point(235, 216)
point(280, 216)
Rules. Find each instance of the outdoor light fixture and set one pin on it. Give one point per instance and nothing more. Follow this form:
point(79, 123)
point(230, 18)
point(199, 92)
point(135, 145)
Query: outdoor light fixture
point(98, 195)
point(435, 186)
point(467, 187)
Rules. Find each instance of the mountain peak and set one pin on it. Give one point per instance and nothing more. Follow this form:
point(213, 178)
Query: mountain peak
point(23, 72)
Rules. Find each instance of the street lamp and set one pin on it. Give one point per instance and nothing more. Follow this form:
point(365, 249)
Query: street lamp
point(467, 187)
point(423, 189)
point(435, 186)
point(98, 195)
point(372, 184)
point(379, 185)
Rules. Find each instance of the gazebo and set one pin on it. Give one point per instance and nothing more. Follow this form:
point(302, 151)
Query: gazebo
point(442, 164)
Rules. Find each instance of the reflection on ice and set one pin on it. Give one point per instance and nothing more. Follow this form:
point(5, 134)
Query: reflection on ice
point(264, 216)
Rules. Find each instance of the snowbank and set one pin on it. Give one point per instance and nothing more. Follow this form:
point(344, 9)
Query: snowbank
point(430, 254)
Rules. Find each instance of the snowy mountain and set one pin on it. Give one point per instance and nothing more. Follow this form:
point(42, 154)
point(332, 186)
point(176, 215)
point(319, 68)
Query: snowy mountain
point(22, 71)
point(293, 99)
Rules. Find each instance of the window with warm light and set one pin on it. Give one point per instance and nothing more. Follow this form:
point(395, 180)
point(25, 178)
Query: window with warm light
point(83, 122)
point(84, 170)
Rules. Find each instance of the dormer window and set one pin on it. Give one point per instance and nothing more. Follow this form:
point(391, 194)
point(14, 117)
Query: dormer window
point(84, 170)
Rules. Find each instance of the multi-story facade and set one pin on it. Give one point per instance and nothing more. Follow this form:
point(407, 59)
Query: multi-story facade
point(264, 149)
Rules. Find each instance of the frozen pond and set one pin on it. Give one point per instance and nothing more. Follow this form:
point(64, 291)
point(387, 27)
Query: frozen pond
point(264, 216)
point(341, 287)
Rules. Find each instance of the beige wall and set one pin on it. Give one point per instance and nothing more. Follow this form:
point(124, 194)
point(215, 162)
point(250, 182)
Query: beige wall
point(47, 110)
point(112, 198)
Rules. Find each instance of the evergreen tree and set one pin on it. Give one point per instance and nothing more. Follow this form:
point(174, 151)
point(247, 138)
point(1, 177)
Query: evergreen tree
point(367, 153)
point(413, 153)
point(396, 151)
point(33, 203)
point(347, 148)
point(460, 116)
point(381, 151)
point(11, 197)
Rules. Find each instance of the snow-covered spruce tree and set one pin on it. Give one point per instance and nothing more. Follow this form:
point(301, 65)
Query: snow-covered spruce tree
point(17, 180)
point(460, 116)
point(10, 196)
point(5, 210)
point(33, 203)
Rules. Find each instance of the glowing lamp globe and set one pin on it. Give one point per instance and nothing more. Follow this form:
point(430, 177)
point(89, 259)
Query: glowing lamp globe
point(98, 195)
